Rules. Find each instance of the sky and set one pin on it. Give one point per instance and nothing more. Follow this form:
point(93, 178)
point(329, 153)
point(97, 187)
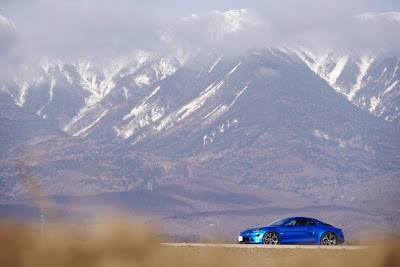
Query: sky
point(100, 28)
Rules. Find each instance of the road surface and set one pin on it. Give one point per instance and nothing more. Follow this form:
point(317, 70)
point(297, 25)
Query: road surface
point(262, 246)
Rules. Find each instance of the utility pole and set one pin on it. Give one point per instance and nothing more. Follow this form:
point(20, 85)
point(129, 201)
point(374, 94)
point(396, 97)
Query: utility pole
point(150, 186)
point(43, 221)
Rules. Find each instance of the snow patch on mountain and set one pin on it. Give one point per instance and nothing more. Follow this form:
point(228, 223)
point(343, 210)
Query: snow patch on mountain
point(321, 134)
point(222, 128)
point(324, 63)
point(144, 114)
point(375, 101)
point(144, 67)
point(354, 142)
point(189, 108)
point(332, 76)
point(214, 65)
point(206, 94)
point(364, 64)
point(354, 76)
point(164, 68)
point(7, 23)
point(198, 102)
point(77, 118)
point(51, 95)
point(208, 139)
point(151, 114)
point(142, 107)
point(98, 83)
point(396, 68)
point(142, 80)
point(372, 16)
point(22, 97)
point(390, 88)
point(91, 125)
point(139, 58)
point(234, 69)
point(222, 108)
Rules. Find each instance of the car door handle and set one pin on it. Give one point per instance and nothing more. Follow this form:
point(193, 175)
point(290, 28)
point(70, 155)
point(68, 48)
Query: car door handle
point(309, 228)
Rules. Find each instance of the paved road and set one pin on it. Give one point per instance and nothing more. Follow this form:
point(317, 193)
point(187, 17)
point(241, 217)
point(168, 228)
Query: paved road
point(262, 246)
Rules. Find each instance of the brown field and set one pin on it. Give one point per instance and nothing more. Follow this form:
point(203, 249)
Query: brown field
point(127, 243)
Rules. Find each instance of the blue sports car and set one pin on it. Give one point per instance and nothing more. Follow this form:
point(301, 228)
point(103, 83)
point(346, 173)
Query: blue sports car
point(294, 230)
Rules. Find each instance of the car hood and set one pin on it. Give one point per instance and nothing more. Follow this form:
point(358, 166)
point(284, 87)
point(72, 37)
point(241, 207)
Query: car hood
point(252, 229)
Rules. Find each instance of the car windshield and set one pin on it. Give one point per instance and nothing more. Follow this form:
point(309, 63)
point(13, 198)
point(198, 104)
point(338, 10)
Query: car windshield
point(278, 222)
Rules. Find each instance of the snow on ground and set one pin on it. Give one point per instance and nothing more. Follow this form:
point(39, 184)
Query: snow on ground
point(375, 101)
point(364, 64)
point(141, 116)
point(22, 97)
point(214, 65)
point(234, 69)
point(142, 107)
point(222, 108)
point(390, 88)
point(91, 125)
point(341, 63)
point(321, 134)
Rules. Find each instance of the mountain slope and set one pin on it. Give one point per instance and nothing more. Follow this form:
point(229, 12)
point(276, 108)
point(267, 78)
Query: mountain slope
point(264, 119)
point(367, 80)
point(278, 118)
point(286, 130)
point(17, 125)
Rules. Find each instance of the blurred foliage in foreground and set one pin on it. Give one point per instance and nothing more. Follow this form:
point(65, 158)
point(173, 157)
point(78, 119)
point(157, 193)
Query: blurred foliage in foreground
point(127, 243)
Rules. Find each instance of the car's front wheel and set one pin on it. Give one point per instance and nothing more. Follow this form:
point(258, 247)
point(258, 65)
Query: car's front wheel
point(271, 238)
point(329, 239)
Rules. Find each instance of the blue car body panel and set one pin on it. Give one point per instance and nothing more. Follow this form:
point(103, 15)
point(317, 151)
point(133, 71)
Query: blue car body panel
point(293, 234)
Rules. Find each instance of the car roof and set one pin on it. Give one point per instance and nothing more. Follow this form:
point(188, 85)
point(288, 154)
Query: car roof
point(299, 217)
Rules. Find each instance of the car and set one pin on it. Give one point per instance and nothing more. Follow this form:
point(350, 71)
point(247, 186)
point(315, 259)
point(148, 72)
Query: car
point(294, 230)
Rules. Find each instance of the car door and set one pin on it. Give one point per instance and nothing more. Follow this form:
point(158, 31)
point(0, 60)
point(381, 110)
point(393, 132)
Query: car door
point(307, 228)
point(299, 230)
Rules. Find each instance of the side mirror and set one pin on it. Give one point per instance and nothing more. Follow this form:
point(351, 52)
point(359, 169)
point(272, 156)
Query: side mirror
point(289, 225)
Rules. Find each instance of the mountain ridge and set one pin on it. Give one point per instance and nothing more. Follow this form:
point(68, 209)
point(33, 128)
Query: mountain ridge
point(287, 119)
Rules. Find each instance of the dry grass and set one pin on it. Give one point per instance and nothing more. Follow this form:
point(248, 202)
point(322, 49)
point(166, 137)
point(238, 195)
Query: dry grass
point(125, 243)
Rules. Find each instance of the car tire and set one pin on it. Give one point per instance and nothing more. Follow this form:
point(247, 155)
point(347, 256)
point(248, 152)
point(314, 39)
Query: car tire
point(329, 239)
point(271, 238)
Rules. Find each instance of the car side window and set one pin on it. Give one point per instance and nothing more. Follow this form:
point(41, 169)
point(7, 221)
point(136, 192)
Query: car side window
point(305, 222)
point(293, 222)
point(311, 222)
point(302, 222)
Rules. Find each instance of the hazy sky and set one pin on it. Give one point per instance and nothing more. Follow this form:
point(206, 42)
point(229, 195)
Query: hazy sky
point(110, 28)
point(184, 7)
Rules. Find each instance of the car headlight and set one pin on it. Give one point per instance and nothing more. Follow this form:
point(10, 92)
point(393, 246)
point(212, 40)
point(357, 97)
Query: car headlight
point(256, 230)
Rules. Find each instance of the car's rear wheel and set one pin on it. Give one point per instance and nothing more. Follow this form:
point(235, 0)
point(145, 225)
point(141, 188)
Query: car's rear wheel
point(329, 239)
point(271, 238)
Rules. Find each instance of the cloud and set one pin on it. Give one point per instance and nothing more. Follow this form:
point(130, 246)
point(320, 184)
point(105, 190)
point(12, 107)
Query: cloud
point(8, 36)
point(74, 29)
point(89, 28)
point(329, 24)
point(228, 32)
point(101, 29)
point(378, 31)
point(269, 72)
point(9, 41)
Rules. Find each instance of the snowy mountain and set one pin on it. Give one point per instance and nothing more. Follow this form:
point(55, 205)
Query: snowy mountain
point(369, 81)
point(64, 91)
point(322, 124)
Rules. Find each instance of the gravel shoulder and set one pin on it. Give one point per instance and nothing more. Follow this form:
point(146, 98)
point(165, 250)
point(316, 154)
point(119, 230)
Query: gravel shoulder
point(218, 255)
